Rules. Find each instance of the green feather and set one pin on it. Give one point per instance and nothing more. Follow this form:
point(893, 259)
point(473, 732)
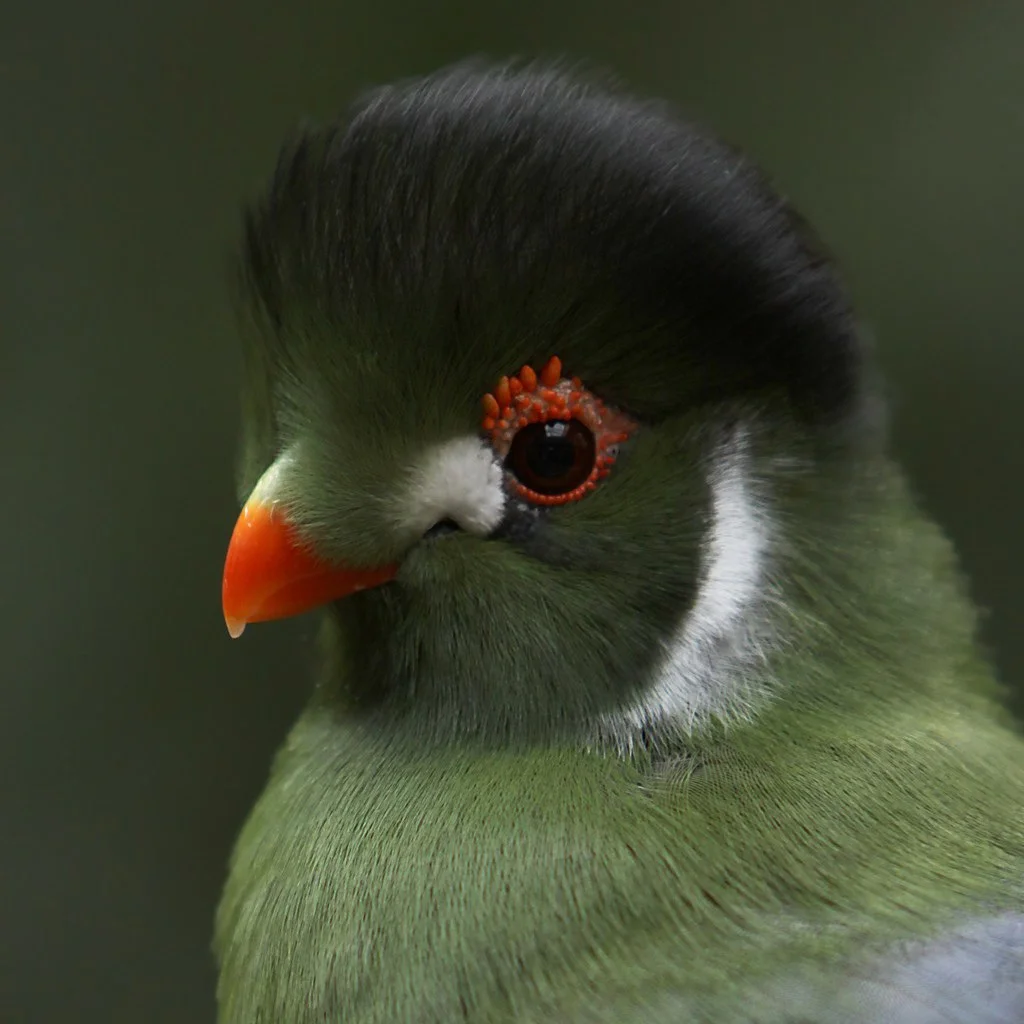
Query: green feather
point(391, 874)
point(463, 825)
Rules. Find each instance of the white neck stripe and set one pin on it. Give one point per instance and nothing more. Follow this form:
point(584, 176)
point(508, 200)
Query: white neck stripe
point(701, 674)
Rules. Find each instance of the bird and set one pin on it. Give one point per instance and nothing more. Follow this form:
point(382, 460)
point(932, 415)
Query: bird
point(645, 688)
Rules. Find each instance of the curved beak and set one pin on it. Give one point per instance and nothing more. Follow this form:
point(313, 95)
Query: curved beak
point(270, 574)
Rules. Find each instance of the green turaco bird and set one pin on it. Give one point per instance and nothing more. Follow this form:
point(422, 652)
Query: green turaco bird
point(646, 691)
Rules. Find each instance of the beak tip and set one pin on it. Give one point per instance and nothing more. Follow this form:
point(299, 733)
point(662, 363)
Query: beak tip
point(235, 627)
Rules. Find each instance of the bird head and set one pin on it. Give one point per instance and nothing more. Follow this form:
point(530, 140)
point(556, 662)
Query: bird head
point(530, 370)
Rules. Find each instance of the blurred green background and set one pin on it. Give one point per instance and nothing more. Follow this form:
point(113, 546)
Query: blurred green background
point(136, 735)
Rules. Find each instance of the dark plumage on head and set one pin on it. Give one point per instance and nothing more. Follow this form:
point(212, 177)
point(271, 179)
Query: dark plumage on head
point(519, 212)
point(451, 230)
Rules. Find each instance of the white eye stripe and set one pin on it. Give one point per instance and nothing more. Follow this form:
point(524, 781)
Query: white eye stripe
point(460, 480)
point(703, 669)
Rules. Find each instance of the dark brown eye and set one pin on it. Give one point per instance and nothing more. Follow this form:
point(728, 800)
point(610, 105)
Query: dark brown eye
point(552, 458)
point(557, 439)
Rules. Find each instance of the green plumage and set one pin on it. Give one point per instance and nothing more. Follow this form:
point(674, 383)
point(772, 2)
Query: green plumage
point(460, 826)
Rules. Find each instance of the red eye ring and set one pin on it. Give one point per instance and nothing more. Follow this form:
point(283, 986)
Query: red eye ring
point(530, 397)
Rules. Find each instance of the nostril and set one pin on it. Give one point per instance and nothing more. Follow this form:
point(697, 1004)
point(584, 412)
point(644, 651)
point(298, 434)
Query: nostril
point(442, 528)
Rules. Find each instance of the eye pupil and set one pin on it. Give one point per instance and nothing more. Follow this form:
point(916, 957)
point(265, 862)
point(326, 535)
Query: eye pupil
point(553, 457)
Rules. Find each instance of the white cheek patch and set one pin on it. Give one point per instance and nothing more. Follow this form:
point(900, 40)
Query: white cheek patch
point(460, 480)
point(702, 672)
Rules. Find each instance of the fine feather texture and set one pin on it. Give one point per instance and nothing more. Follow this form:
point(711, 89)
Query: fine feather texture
point(705, 672)
point(500, 806)
point(460, 480)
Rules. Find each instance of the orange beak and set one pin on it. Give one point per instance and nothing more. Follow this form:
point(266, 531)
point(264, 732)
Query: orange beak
point(269, 574)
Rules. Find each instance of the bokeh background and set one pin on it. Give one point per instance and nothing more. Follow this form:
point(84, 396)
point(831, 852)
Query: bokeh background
point(135, 734)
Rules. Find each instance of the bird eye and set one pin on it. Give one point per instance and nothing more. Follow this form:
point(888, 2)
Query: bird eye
point(553, 457)
point(557, 439)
